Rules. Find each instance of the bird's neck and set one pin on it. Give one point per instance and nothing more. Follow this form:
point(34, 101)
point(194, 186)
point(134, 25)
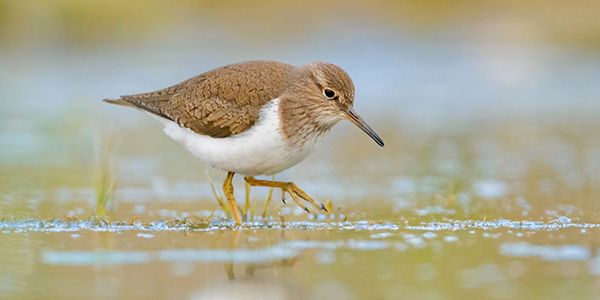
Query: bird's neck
point(300, 121)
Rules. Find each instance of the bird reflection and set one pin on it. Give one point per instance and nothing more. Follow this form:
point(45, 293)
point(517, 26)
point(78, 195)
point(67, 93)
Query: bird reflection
point(251, 268)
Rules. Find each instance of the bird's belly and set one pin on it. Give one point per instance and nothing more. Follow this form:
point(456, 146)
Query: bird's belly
point(260, 150)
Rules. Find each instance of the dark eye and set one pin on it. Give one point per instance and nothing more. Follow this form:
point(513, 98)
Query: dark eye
point(329, 93)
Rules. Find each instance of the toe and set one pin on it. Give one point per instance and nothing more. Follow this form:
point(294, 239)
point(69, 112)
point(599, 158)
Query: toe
point(323, 208)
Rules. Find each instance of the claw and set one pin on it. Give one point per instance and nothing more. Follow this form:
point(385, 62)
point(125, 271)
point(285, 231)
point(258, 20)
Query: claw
point(323, 208)
point(297, 194)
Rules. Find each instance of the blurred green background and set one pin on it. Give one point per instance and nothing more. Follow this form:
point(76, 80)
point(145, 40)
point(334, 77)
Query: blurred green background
point(463, 91)
point(490, 111)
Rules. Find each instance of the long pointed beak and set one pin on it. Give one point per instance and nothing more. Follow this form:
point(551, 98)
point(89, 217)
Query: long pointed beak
point(358, 121)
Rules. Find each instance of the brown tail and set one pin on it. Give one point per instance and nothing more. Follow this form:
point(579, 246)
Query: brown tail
point(128, 103)
point(119, 102)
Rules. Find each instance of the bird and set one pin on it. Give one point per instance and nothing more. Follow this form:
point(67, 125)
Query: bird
point(254, 118)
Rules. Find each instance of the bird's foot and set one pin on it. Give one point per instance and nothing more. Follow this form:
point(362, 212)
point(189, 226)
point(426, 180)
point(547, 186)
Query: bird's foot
point(291, 188)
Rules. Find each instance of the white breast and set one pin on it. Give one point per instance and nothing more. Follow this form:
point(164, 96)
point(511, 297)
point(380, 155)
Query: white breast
point(260, 150)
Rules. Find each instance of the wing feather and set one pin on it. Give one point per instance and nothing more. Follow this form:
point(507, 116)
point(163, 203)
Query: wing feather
point(219, 103)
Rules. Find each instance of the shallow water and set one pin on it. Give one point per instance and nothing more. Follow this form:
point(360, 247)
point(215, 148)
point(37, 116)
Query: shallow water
point(469, 215)
point(487, 188)
point(300, 256)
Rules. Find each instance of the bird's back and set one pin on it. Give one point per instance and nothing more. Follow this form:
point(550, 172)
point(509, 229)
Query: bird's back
point(219, 103)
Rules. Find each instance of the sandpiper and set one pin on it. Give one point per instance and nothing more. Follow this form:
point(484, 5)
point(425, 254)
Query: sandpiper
point(254, 118)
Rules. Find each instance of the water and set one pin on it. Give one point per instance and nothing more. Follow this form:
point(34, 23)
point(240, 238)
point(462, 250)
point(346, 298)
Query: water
point(487, 187)
point(319, 258)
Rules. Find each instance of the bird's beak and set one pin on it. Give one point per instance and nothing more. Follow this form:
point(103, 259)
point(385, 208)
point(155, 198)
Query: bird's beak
point(358, 121)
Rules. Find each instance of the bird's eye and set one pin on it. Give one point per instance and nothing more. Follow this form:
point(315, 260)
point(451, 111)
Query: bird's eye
point(329, 93)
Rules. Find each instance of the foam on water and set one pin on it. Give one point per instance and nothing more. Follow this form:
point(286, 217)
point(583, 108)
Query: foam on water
point(460, 225)
point(34, 225)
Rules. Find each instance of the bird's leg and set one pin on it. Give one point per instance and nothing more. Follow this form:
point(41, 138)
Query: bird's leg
point(228, 190)
point(247, 208)
point(268, 201)
point(290, 188)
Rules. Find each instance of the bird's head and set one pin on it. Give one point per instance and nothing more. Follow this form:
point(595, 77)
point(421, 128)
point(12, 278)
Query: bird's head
point(332, 93)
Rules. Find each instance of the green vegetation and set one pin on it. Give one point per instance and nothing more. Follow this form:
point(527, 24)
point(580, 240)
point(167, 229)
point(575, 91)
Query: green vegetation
point(104, 181)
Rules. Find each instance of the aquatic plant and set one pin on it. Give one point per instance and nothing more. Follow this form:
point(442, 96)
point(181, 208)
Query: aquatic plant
point(104, 181)
point(218, 196)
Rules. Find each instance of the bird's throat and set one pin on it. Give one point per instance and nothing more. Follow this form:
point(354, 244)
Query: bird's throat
point(302, 122)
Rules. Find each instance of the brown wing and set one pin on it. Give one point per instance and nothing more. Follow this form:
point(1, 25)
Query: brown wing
point(218, 103)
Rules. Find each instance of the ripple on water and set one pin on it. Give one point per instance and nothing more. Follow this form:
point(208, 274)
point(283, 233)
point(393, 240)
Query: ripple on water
point(490, 188)
point(411, 237)
point(145, 235)
point(86, 258)
point(546, 252)
point(283, 250)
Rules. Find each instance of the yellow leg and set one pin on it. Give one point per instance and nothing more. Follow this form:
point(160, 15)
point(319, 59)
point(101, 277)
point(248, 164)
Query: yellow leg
point(268, 201)
point(228, 190)
point(290, 188)
point(247, 210)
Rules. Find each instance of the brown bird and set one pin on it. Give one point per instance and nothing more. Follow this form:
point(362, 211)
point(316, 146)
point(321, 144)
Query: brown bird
point(254, 118)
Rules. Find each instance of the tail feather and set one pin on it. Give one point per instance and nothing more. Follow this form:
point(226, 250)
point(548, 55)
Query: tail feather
point(128, 103)
point(120, 101)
